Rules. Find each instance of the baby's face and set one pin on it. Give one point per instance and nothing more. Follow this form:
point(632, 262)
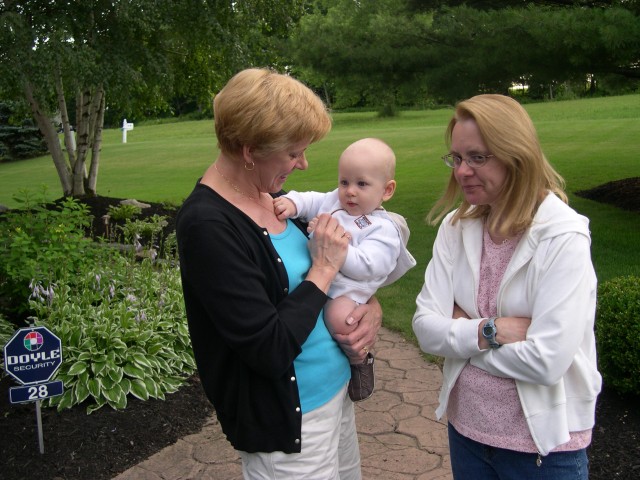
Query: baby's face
point(361, 184)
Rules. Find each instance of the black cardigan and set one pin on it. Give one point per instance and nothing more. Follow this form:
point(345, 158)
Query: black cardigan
point(246, 327)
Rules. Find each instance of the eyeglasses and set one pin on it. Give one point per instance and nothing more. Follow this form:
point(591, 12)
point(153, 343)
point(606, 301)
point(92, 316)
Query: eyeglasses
point(452, 160)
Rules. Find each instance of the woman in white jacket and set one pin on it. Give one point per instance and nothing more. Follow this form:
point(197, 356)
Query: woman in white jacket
point(509, 301)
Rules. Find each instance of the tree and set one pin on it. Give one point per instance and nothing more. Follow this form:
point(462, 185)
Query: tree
point(450, 50)
point(50, 46)
point(537, 45)
point(142, 52)
point(368, 51)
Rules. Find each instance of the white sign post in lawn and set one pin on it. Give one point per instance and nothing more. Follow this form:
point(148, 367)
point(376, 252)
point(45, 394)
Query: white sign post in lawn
point(125, 128)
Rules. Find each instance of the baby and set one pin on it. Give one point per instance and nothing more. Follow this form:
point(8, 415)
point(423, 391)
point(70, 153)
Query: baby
point(377, 254)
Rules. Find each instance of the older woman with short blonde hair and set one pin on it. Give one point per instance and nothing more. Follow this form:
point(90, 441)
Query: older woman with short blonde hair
point(255, 287)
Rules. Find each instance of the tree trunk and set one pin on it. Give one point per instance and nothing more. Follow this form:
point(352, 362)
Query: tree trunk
point(592, 85)
point(327, 98)
point(90, 122)
point(83, 102)
point(51, 137)
point(69, 141)
point(97, 112)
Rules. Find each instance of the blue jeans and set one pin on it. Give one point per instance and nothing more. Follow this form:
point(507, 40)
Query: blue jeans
point(477, 461)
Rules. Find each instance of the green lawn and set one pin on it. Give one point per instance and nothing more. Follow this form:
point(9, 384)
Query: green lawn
point(590, 142)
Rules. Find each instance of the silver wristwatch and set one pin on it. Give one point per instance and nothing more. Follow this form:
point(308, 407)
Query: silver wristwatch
point(489, 331)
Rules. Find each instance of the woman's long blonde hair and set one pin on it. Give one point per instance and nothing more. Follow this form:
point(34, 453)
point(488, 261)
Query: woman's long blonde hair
point(509, 134)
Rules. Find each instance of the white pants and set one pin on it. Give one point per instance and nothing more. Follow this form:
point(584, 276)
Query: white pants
point(329, 448)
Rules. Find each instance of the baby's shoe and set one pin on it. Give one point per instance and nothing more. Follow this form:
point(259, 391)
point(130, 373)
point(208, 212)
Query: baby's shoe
point(362, 380)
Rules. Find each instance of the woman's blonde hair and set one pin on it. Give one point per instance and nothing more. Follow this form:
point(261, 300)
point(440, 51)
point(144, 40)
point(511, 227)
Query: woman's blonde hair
point(509, 134)
point(267, 111)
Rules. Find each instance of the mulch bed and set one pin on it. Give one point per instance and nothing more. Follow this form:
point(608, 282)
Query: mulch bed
point(623, 193)
point(78, 446)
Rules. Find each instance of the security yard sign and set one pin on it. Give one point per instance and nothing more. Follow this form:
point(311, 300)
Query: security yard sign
point(33, 355)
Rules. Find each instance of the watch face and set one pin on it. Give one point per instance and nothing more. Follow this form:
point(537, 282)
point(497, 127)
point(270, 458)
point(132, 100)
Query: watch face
point(488, 330)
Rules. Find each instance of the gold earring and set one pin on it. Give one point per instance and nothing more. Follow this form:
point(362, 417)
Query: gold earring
point(253, 165)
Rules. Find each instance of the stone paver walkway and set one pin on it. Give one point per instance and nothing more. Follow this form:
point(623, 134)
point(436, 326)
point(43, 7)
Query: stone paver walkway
point(400, 438)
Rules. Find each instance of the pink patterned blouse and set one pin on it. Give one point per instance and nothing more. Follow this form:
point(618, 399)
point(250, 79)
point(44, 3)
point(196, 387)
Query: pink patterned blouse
point(486, 408)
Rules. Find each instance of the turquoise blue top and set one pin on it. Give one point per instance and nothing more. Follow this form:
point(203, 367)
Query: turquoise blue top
point(322, 368)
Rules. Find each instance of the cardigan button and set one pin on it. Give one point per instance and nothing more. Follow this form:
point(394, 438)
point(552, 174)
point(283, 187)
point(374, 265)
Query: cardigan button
point(286, 290)
point(293, 379)
point(279, 260)
point(298, 409)
point(265, 233)
point(297, 441)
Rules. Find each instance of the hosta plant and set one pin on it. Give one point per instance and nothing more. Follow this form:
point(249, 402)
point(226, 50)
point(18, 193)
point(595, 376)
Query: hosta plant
point(123, 330)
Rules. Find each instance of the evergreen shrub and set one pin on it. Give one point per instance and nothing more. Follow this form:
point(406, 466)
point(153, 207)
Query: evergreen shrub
point(19, 138)
point(618, 333)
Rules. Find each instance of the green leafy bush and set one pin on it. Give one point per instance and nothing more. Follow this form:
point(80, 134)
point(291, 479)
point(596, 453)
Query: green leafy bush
point(145, 232)
point(7, 329)
point(124, 211)
point(618, 333)
point(42, 245)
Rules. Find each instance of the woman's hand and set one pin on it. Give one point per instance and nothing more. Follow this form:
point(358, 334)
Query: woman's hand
point(369, 319)
point(328, 248)
point(509, 329)
point(512, 329)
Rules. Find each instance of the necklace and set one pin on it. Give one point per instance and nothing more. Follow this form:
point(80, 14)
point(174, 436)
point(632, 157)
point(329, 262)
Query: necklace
point(499, 242)
point(239, 190)
point(233, 185)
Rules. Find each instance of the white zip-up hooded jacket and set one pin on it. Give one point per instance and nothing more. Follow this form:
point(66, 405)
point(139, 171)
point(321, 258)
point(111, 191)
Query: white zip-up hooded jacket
point(549, 279)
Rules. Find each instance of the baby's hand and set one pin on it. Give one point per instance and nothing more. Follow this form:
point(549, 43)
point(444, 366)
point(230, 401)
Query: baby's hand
point(284, 208)
point(312, 225)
